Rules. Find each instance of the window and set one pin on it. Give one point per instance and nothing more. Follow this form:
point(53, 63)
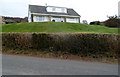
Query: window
point(39, 18)
point(56, 9)
point(62, 9)
point(72, 20)
point(53, 9)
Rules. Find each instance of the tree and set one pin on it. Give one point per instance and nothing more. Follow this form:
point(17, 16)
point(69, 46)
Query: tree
point(85, 21)
point(95, 23)
point(113, 21)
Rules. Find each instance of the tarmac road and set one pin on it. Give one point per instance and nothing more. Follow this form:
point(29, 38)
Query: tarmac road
point(24, 65)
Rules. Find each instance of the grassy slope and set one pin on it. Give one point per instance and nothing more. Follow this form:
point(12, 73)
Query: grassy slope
point(56, 27)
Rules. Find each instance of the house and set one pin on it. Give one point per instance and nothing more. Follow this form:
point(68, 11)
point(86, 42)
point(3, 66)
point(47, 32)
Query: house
point(1, 20)
point(51, 13)
point(7, 20)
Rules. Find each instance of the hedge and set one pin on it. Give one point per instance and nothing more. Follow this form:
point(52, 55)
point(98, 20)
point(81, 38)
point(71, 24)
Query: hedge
point(74, 43)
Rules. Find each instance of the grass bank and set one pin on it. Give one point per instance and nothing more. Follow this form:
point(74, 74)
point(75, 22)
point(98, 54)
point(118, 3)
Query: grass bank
point(57, 27)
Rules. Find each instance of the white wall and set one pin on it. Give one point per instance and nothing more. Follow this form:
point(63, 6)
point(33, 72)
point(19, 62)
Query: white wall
point(57, 19)
point(46, 18)
point(72, 20)
point(1, 21)
point(29, 16)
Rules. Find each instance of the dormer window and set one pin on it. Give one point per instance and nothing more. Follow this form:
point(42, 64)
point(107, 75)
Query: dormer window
point(62, 9)
point(56, 9)
point(53, 9)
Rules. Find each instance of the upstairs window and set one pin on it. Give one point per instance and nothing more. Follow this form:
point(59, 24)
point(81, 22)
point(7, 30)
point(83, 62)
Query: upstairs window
point(56, 9)
point(62, 9)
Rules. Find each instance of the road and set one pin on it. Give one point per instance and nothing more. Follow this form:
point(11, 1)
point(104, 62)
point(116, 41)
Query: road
point(24, 65)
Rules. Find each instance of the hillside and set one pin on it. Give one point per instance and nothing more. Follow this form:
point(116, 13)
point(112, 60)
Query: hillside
point(56, 27)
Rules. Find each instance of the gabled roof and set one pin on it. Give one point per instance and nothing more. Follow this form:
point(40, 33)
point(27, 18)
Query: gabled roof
point(42, 9)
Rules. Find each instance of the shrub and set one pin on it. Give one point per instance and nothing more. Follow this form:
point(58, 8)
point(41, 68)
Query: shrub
point(74, 43)
point(95, 23)
point(41, 41)
point(113, 21)
point(16, 40)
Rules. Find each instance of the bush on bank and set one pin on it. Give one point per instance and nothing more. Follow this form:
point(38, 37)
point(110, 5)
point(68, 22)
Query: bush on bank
point(74, 43)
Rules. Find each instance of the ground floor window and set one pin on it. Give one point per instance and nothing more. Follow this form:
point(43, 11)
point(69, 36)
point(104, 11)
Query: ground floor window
point(72, 20)
point(40, 18)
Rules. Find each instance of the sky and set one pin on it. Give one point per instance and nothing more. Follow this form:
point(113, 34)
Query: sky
point(119, 8)
point(90, 10)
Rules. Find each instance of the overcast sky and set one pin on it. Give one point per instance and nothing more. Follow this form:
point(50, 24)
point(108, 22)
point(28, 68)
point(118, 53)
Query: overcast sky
point(90, 10)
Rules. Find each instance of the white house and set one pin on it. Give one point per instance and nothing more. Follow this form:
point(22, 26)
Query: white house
point(51, 13)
